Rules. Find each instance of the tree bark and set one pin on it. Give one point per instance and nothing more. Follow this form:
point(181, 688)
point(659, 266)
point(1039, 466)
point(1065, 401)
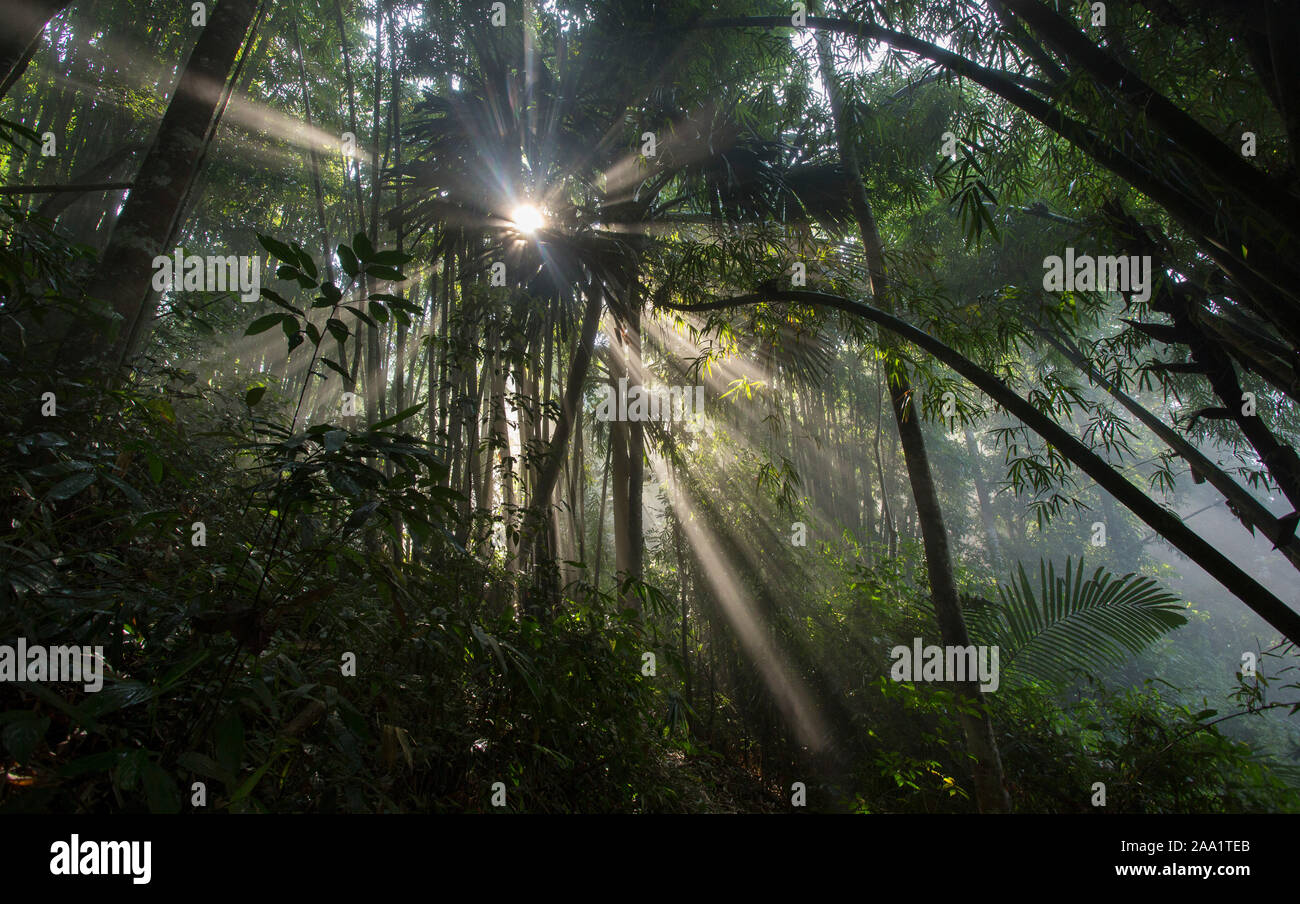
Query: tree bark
point(21, 24)
point(553, 458)
point(990, 790)
point(125, 272)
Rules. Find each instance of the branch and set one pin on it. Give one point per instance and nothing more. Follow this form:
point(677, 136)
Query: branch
point(1203, 224)
point(1191, 137)
point(52, 189)
point(1164, 522)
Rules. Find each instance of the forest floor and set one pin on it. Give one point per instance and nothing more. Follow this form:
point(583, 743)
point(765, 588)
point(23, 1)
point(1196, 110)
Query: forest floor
point(717, 786)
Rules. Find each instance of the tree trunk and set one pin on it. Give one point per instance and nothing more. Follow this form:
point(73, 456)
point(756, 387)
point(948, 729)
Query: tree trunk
point(125, 273)
point(21, 24)
point(990, 791)
point(982, 492)
point(553, 459)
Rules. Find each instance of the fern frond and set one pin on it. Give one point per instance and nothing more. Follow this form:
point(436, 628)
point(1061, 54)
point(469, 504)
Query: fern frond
point(1071, 622)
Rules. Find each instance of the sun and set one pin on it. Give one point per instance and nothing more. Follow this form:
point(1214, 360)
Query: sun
point(527, 218)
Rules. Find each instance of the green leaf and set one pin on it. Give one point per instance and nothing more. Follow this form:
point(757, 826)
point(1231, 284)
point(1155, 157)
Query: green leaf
point(96, 762)
point(262, 324)
point(338, 329)
point(229, 740)
point(360, 516)
point(357, 311)
point(247, 787)
point(23, 735)
point(117, 695)
point(1071, 622)
point(176, 672)
point(392, 258)
point(155, 465)
point(305, 260)
point(334, 440)
point(205, 766)
point(342, 482)
point(361, 245)
point(399, 417)
point(277, 298)
point(127, 774)
point(71, 486)
point(128, 491)
point(277, 248)
point(336, 368)
point(348, 260)
point(254, 395)
point(160, 788)
point(384, 273)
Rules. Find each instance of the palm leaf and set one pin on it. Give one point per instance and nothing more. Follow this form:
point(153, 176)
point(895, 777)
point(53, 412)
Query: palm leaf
point(1068, 622)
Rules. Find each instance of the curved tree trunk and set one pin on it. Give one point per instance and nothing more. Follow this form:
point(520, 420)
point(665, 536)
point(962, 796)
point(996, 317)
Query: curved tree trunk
point(1164, 522)
point(990, 789)
point(538, 515)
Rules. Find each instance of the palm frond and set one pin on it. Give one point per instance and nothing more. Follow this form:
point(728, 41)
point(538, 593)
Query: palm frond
point(1068, 622)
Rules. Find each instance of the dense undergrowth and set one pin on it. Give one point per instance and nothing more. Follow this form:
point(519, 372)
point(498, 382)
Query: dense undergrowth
point(226, 659)
point(295, 617)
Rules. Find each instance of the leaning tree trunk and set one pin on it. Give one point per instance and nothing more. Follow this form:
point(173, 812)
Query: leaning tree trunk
point(125, 273)
point(1258, 598)
point(990, 791)
point(1245, 506)
point(538, 514)
point(21, 24)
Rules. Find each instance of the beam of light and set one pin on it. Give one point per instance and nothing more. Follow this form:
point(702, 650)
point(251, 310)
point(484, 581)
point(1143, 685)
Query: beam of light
point(788, 691)
point(256, 116)
point(527, 219)
point(825, 461)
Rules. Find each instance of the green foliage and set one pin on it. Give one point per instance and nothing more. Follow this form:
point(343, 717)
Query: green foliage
point(335, 534)
point(1072, 623)
point(1154, 756)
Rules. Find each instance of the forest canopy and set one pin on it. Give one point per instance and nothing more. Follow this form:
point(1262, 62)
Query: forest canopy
point(860, 406)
